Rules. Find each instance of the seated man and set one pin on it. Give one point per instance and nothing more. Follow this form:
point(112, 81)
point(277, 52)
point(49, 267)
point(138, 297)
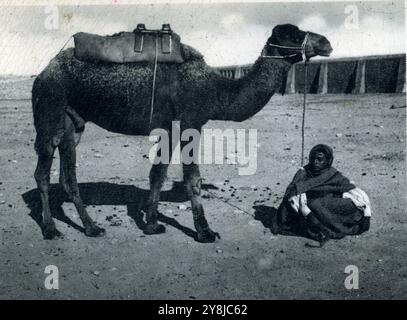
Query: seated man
point(320, 203)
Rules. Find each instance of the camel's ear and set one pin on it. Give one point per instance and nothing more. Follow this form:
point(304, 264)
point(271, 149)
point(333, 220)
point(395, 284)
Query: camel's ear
point(274, 36)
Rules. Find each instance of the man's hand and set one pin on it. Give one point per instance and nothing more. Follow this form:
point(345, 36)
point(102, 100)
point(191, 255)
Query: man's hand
point(295, 202)
point(305, 210)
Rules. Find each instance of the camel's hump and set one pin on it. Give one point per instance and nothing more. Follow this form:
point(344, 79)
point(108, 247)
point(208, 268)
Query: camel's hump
point(191, 53)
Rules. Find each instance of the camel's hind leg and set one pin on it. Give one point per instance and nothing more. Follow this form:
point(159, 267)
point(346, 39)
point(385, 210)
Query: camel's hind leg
point(63, 174)
point(67, 151)
point(42, 176)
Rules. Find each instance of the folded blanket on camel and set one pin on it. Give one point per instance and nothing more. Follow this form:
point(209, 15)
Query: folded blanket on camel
point(335, 207)
point(141, 45)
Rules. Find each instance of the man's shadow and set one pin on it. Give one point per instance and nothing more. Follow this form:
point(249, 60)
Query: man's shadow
point(105, 193)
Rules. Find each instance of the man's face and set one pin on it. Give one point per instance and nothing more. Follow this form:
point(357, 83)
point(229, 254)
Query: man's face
point(319, 162)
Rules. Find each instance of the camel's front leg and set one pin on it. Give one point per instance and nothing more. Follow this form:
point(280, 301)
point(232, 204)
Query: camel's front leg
point(192, 179)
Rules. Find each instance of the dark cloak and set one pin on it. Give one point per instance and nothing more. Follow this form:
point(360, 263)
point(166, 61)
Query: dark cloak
point(331, 217)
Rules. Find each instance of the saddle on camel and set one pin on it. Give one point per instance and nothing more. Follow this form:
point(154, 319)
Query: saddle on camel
point(141, 45)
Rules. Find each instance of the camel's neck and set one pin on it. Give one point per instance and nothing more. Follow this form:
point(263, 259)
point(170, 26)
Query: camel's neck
point(244, 98)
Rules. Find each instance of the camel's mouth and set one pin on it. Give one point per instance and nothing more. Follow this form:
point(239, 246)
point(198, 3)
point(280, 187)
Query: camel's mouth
point(325, 52)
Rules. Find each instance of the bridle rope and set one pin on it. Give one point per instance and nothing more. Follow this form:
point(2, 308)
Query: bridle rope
point(301, 48)
point(304, 58)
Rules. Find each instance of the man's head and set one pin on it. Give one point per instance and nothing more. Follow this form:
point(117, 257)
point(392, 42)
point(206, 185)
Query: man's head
point(320, 158)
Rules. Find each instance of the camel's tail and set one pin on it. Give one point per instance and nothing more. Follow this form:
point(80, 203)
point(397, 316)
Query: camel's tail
point(48, 102)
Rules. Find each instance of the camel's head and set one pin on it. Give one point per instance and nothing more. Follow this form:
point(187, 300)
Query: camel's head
point(288, 39)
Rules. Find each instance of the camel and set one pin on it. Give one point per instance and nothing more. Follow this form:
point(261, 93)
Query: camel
point(68, 93)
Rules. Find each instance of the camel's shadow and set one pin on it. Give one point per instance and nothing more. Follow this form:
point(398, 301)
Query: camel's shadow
point(267, 216)
point(104, 193)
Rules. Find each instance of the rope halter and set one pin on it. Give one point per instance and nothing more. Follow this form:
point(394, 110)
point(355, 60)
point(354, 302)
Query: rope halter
point(301, 48)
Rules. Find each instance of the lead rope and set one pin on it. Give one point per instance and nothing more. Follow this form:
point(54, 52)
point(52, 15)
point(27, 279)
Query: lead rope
point(303, 112)
point(302, 140)
point(63, 47)
point(302, 127)
point(321, 243)
point(154, 78)
point(229, 204)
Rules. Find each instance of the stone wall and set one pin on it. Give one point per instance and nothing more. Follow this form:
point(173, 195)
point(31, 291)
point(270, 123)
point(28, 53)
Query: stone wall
point(373, 74)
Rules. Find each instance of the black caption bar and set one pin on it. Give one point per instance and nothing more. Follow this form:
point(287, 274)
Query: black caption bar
point(202, 309)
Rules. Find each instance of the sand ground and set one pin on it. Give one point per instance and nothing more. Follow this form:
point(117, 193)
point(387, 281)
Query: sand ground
point(248, 262)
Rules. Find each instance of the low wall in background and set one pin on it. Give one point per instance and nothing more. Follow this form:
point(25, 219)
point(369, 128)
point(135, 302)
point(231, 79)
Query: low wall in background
point(372, 74)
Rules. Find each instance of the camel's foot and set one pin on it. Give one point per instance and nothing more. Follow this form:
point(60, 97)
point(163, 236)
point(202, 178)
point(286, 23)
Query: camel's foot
point(154, 228)
point(207, 236)
point(94, 231)
point(51, 232)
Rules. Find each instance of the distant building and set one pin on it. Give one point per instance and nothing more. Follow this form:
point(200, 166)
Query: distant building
point(370, 74)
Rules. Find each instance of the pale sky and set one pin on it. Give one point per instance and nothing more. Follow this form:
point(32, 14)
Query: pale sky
point(227, 34)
